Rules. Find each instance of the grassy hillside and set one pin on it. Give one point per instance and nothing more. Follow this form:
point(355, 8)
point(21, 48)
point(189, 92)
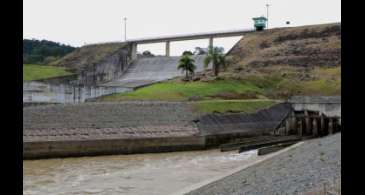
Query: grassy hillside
point(276, 85)
point(36, 72)
point(184, 91)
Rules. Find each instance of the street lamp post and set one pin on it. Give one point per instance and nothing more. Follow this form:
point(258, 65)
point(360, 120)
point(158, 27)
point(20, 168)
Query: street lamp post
point(267, 15)
point(125, 29)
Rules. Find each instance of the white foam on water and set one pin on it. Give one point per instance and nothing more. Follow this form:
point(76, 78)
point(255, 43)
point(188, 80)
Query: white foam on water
point(162, 173)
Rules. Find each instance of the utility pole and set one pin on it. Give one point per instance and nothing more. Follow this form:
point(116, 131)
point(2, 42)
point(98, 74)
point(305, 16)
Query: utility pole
point(125, 29)
point(267, 15)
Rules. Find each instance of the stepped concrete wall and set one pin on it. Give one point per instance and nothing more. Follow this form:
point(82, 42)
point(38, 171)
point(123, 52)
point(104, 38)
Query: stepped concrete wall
point(134, 127)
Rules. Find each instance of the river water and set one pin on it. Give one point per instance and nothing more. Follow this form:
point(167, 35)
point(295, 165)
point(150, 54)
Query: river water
point(160, 173)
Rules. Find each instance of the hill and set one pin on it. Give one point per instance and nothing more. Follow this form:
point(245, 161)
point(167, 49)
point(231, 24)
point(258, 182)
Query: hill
point(88, 55)
point(303, 60)
point(305, 46)
point(43, 51)
point(274, 64)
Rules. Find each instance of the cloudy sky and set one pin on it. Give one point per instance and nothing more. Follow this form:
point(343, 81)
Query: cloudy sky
point(79, 22)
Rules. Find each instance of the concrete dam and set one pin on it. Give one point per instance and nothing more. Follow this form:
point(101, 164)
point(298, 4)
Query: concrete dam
point(140, 72)
point(103, 69)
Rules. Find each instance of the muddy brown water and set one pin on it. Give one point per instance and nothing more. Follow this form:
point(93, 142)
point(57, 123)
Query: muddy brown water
point(162, 173)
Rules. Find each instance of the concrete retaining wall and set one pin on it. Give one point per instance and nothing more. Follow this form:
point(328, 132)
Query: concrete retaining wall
point(330, 110)
point(64, 93)
point(49, 149)
point(330, 106)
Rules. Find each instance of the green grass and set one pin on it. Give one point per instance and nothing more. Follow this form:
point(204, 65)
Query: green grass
point(222, 106)
point(181, 91)
point(36, 72)
point(273, 85)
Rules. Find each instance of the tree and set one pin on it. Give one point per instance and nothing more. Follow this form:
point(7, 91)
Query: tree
point(216, 57)
point(200, 51)
point(42, 51)
point(187, 53)
point(186, 63)
point(148, 54)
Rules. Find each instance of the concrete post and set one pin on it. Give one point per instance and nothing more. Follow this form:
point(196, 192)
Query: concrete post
point(315, 127)
point(300, 128)
point(210, 42)
point(294, 123)
point(307, 122)
point(330, 126)
point(287, 126)
point(133, 51)
point(167, 48)
point(322, 124)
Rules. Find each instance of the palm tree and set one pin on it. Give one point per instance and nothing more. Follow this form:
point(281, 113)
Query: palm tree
point(186, 63)
point(216, 56)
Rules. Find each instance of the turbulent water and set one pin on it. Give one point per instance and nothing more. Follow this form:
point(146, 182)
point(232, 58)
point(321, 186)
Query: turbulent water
point(162, 173)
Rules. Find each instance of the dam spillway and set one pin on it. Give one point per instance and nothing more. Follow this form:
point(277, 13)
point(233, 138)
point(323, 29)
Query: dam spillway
point(148, 70)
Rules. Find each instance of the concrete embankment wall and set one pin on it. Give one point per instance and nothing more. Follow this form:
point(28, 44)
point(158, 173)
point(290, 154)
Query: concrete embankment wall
point(327, 105)
point(35, 91)
point(73, 148)
point(134, 127)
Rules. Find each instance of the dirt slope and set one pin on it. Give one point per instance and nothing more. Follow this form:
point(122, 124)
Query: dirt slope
point(88, 55)
point(305, 46)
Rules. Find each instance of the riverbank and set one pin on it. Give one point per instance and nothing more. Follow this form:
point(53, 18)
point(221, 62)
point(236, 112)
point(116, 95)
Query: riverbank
point(303, 169)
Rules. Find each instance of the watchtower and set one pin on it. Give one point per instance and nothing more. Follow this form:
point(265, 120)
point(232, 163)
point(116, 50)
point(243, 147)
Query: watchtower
point(260, 23)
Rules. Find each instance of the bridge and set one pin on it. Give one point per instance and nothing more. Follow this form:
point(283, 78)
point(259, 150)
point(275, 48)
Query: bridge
point(167, 39)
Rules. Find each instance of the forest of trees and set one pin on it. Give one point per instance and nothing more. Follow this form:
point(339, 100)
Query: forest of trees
point(43, 51)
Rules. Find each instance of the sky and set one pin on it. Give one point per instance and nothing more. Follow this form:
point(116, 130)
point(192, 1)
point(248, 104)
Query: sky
point(80, 22)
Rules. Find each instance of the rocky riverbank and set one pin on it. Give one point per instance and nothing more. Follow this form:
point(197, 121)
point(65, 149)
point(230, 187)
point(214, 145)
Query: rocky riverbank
point(305, 169)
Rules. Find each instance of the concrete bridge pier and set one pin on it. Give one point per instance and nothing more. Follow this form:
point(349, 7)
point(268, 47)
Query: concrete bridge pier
point(210, 42)
point(167, 48)
point(315, 127)
point(133, 50)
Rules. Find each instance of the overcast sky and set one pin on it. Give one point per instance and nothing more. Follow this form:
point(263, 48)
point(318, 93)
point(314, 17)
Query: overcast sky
point(76, 22)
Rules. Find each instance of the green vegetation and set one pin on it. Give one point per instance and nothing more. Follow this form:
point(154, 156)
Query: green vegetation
point(35, 72)
point(216, 57)
point(186, 63)
point(43, 52)
point(325, 81)
point(183, 91)
point(222, 106)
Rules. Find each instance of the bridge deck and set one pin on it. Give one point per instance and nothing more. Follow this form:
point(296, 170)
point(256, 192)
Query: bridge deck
point(191, 36)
